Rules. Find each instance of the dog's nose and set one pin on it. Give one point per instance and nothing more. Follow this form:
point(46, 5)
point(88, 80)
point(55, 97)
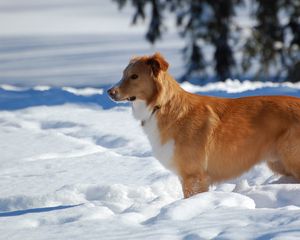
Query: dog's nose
point(112, 92)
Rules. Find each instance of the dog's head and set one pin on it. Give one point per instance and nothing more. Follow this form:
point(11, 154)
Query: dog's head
point(140, 79)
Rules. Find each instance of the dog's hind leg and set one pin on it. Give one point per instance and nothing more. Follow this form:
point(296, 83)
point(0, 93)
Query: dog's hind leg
point(289, 153)
point(292, 166)
point(278, 167)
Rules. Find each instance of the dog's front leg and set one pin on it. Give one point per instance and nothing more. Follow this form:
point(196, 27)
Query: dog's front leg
point(193, 184)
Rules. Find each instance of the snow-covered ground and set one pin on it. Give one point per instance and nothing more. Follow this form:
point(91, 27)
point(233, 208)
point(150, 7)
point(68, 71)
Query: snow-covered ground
point(73, 42)
point(74, 165)
point(79, 167)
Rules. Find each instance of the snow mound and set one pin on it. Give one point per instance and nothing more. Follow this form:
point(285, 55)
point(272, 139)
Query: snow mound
point(84, 91)
point(237, 86)
point(274, 195)
point(80, 171)
point(195, 206)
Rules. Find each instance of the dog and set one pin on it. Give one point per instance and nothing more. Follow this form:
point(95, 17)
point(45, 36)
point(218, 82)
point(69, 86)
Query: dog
point(206, 140)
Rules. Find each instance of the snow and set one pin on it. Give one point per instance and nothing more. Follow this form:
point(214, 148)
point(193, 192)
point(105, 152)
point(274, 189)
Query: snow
point(78, 43)
point(236, 86)
point(81, 92)
point(83, 169)
point(75, 165)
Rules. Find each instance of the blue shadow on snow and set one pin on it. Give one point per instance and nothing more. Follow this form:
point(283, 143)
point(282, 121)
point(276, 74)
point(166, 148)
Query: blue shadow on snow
point(36, 210)
point(14, 100)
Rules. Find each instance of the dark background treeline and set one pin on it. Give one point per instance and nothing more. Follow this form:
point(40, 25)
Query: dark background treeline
point(268, 49)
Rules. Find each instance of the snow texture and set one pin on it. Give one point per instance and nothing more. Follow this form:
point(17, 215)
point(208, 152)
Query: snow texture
point(75, 165)
point(83, 169)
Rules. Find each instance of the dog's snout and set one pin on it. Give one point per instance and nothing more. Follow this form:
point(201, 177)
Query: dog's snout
point(112, 92)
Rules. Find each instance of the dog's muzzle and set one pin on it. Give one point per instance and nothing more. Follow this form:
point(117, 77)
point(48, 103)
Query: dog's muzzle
point(113, 93)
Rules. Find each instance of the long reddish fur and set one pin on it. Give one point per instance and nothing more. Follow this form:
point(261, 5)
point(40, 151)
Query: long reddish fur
point(220, 138)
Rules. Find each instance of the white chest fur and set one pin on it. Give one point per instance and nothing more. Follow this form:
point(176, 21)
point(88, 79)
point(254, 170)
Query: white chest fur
point(163, 152)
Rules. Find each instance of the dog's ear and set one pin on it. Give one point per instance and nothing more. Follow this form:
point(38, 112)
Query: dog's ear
point(157, 63)
point(134, 59)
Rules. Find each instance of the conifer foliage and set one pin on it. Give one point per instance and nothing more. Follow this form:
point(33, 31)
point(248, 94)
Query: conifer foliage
point(269, 50)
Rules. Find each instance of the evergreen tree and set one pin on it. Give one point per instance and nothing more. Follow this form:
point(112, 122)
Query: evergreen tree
point(272, 48)
point(273, 41)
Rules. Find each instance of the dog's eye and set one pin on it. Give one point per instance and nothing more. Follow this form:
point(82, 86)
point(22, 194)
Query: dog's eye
point(134, 76)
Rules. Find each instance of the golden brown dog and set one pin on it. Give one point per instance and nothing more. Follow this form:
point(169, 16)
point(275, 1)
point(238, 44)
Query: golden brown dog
point(207, 139)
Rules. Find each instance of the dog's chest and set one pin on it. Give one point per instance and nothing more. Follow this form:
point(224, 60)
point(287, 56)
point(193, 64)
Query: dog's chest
point(163, 152)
